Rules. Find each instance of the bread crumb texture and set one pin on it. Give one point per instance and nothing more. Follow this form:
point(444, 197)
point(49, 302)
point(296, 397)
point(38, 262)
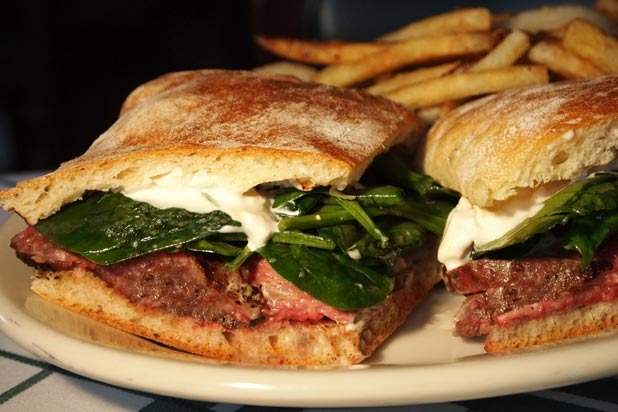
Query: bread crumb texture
point(239, 128)
point(492, 148)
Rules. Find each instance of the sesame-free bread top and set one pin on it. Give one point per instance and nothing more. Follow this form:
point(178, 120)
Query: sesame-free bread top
point(492, 148)
point(238, 128)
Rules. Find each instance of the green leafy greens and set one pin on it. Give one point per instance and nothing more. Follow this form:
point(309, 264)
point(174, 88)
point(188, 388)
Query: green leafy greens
point(349, 284)
point(584, 214)
point(336, 246)
point(108, 227)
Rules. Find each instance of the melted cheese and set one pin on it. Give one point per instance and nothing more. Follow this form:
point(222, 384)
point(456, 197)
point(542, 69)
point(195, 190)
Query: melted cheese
point(250, 209)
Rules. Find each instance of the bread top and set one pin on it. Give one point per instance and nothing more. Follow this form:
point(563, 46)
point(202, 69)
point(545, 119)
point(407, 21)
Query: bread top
point(238, 128)
point(494, 148)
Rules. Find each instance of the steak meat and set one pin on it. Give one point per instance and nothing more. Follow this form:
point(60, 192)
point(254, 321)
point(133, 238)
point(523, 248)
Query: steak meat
point(190, 284)
point(502, 292)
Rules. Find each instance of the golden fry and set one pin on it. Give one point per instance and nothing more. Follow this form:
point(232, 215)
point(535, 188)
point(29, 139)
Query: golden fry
point(477, 19)
point(468, 84)
point(608, 7)
point(506, 53)
point(587, 41)
point(431, 114)
point(411, 51)
point(411, 77)
point(559, 60)
point(550, 18)
point(318, 52)
point(299, 70)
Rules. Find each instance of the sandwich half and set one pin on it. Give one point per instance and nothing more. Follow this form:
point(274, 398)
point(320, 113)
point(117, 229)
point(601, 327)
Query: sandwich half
point(244, 217)
point(533, 242)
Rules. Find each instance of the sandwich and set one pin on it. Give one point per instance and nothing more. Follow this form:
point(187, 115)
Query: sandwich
point(533, 242)
point(243, 217)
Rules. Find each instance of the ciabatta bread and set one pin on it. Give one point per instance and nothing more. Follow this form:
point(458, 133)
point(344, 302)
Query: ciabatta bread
point(572, 324)
point(495, 147)
point(240, 128)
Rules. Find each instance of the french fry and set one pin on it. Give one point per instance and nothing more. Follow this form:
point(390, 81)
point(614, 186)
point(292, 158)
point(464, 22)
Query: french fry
point(608, 7)
point(476, 19)
point(506, 53)
point(587, 41)
point(411, 51)
point(431, 114)
point(411, 77)
point(299, 70)
point(318, 52)
point(550, 18)
point(468, 84)
point(559, 60)
point(558, 32)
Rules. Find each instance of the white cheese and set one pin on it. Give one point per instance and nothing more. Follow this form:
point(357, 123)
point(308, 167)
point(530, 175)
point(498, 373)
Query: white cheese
point(468, 224)
point(193, 193)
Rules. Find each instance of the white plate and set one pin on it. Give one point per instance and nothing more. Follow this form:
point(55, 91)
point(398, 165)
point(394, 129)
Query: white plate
point(421, 363)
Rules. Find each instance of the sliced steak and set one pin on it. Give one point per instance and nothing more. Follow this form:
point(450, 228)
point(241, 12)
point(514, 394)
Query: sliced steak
point(35, 250)
point(190, 284)
point(505, 291)
point(178, 283)
point(286, 301)
point(532, 276)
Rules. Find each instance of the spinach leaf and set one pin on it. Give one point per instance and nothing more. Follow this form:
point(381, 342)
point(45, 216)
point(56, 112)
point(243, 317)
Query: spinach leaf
point(244, 254)
point(328, 216)
point(580, 207)
point(345, 236)
point(402, 235)
point(587, 233)
point(330, 277)
point(394, 170)
point(430, 214)
point(382, 196)
point(215, 247)
point(300, 238)
point(108, 227)
point(520, 234)
point(356, 210)
point(297, 202)
point(598, 192)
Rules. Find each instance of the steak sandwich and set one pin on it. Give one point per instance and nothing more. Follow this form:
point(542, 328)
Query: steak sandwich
point(533, 242)
point(244, 217)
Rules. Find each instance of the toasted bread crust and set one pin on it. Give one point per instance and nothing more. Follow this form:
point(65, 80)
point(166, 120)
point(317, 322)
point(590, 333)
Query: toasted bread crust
point(241, 128)
point(270, 343)
point(579, 323)
point(492, 148)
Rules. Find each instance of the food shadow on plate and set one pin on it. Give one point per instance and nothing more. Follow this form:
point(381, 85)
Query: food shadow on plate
point(426, 338)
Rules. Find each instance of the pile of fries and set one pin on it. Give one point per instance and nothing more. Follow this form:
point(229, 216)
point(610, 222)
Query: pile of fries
point(435, 64)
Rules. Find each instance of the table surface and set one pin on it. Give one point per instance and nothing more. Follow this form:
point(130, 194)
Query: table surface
point(29, 384)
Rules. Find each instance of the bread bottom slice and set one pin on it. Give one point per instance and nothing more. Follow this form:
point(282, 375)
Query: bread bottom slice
point(323, 342)
point(572, 324)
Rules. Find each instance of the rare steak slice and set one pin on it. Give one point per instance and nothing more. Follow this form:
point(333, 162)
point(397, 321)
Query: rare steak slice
point(505, 291)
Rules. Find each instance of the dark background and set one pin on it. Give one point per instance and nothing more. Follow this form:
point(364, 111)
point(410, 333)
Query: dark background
point(66, 66)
